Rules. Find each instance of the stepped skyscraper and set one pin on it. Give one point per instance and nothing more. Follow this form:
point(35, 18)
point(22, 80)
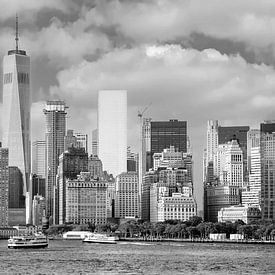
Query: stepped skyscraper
point(16, 115)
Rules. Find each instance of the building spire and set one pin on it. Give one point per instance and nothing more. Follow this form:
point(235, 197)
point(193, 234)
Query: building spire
point(16, 33)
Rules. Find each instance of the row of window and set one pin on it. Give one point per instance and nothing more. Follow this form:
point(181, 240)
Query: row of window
point(23, 78)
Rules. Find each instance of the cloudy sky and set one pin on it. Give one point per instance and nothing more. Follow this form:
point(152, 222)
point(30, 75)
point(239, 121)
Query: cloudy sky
point(193, 59)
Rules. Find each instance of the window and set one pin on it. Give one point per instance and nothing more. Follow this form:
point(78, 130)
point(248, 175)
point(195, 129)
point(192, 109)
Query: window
point(23, 78)
point(7, 78)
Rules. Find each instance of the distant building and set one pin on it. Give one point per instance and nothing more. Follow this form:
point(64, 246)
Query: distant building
point(70, 140)
point(17, 113)
point(86, 200)
point(16, 186)
point(127, 195)
point(95, 142)
point(38, 186)
point(38, 210)
point(4, 186)
point(111, 195)
point(112, 130)
point(251, 195)
point(217, 197)
point(95, 166)
point(71, 163)
point(168, 204)
point(39, 158)
point(268, 170)
point(239, 212)
point(55, 113)
point(82, 141)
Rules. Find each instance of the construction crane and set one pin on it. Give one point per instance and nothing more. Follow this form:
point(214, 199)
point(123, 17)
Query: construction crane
point(140, 113)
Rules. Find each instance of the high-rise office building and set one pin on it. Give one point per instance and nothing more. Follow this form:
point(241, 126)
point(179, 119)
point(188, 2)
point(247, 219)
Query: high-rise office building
point(112, 130)
point(127, 195)
point(4, 186)
point(86, 200)
point(231, 172)
point(168, 133)
point(95, 142)
point(71, 163)
point(38, 186)
point(212, 144)
point(268, 170)
point(39, 158)
point(16, 198)
point(38, 210)
point(70, 140)
point(55, 112)
point(81, 141)
point(17, 110)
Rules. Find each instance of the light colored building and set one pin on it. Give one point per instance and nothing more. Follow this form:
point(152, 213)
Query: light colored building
point(268, 170)
point(232, 171)
point(16, 116)
point(169, 157)
point(55, 113)
point(177, 207)
point(38, 210)
point(95, 142)
point(86, 200)
point(111, 195)
point(70, 140)
point(211, 144)
point(127, 195)
point(253, 141)
point(239, 212)
point(82, 141)
point(112, 130)
point(39, 158)
point(251, 195)
point(4, 186)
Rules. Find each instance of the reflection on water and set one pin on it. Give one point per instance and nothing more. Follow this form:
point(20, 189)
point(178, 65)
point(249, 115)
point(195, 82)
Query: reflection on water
point(74, 257)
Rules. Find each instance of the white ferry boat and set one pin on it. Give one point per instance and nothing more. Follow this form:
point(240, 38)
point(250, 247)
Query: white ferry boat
point(100, 238)
point(76, 235)
point(36, 241)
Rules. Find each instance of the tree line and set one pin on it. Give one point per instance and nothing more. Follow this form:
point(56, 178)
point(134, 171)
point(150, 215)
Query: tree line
point(195, 227)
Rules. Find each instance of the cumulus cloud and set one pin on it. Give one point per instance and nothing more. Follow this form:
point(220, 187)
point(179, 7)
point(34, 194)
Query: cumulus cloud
point(27, 7)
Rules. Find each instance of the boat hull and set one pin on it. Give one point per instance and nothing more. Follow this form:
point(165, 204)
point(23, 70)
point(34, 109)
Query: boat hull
point(40, 245)
point(100, 241)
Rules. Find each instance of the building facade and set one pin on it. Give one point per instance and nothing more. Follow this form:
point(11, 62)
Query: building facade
point(39, 158)
point(127, 195)
point(38, 210)
point(217, 197)
point(95, 142)
point(239, 212)
point(55, 113)
point(71, 163)
point(95, 166)
point(86, 200)
point(4, 186)
point(268, 170)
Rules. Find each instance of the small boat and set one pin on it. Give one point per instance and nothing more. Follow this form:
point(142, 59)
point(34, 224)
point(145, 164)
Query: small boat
point(36, 241)
point(100, 238)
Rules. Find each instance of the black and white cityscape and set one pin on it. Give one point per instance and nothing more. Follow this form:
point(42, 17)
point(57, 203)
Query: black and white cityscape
point(137, 137)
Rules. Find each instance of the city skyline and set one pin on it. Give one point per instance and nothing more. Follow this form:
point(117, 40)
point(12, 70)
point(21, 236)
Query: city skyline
point(201, 62)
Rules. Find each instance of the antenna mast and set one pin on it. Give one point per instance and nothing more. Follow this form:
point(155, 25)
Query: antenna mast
point(16, 33)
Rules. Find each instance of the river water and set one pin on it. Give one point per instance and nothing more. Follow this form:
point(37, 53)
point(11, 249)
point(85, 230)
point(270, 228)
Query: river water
point(75, 257)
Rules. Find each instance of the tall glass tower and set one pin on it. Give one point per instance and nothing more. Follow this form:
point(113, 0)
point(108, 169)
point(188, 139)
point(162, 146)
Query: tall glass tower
point(55, 112)
point(112, 130)
point(17, 111)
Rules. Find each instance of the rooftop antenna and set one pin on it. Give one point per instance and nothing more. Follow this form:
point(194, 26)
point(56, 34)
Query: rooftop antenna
point(16, 33)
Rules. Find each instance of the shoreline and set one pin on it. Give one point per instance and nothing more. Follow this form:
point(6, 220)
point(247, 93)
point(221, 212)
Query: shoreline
point(127, 239)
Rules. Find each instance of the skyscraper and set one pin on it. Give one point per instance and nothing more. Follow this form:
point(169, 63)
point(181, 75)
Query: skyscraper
point(16, 110)
point(212, 144)
point(55, 112)
point(71, 163)
point(39, 158)
point(4, 186)
point(112, 130)
point(95, 142)
point(168, 133)
point(268, 170)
